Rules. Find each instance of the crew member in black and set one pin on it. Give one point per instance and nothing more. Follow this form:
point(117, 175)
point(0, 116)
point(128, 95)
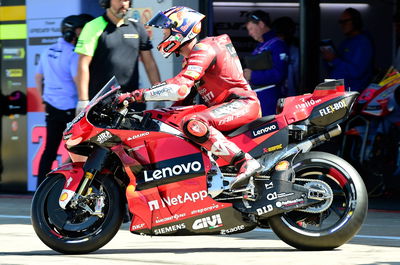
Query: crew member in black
point(111, 45)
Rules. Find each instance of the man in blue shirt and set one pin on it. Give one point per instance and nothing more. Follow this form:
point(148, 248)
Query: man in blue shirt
point(55, 80)
point(268, 82)
point(353, 60)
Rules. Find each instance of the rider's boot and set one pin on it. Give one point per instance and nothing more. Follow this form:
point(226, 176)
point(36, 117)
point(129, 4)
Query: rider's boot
point(215, 142)
point(247, 167)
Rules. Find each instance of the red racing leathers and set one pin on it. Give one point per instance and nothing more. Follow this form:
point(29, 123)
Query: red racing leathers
point(214, 67)
point(213, 63)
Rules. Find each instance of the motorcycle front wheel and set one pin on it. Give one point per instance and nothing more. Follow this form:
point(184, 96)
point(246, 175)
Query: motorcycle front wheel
point(309, 229)
point(75, 230)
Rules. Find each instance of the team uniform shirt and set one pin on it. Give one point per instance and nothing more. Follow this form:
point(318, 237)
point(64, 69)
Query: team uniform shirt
point(58, 64)
point(279, 51)
point(354, 62)
point(115, 51)
point(214, 67)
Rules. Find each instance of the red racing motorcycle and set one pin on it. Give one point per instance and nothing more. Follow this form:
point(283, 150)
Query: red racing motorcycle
point(141, 161)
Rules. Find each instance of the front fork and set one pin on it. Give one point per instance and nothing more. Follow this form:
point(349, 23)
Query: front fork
point(79, 179)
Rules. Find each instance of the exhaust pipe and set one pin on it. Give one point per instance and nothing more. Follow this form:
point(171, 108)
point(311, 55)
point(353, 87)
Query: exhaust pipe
point(269, 160)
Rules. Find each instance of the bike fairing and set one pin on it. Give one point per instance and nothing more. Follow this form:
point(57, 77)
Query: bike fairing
point(155, 194)
point(165, 174)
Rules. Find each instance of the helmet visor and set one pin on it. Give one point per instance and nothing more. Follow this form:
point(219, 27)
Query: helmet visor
point(161, 21)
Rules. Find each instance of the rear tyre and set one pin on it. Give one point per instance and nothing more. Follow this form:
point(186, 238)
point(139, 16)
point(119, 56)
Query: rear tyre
point(75, 231)
point(341, 221)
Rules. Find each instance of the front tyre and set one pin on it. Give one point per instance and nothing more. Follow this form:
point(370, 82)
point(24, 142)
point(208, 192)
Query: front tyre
point(76, 231)
point(334, 226)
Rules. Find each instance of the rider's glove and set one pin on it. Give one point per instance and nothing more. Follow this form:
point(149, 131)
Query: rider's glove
point(125, 96)
point(81, 106)
point(138, 94)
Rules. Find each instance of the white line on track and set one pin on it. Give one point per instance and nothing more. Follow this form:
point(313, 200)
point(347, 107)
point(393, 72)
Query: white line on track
point(258, 229)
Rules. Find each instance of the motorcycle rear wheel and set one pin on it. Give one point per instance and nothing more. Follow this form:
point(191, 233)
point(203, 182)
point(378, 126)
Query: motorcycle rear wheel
point(337, 224)
point(75, 231)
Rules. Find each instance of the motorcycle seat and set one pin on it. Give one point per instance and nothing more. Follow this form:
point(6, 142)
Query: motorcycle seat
point(249, 126)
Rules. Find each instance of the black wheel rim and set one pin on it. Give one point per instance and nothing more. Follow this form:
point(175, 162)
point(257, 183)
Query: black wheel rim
point(343, 204)
point(71, 224)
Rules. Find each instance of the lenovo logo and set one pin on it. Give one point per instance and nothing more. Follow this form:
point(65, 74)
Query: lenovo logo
point(269, 128)
point(177, 170)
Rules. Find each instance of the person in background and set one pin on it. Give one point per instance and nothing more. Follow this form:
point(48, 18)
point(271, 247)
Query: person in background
point(285, 28)
point(211, 66)
point(55, 80)
point(353, 60)
point(274, 73)
point(111, 45)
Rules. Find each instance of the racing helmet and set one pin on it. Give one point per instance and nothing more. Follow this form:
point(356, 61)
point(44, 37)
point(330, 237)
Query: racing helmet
point(185, 25)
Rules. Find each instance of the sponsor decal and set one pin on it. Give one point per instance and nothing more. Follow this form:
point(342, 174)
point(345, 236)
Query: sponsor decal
point(232, 230)
point(289, 203)
point(235, 116)
point(273, 148)
point(307, 103)
point(192, 74)
point(332, 108)
point(103, 137)
point(18, 72)
point(209, 222)
point(231, 50)
point(269, 186)
point(173, 171)
point(227, 109)
point(10, 53)
point(75, 120)
point(207, 209)
point(179, 199)
point(169, 229)
point(195, 68)
point(269, 128)
point(131, 36)
point(173, 217)
point(13, 84)
point(194, 61)
point(63, 196)
point(265, 209)
point(206, 95)
point(274, 195)
point(170, 46)
point(136, 227)
point(161, 91)
point(138, 135)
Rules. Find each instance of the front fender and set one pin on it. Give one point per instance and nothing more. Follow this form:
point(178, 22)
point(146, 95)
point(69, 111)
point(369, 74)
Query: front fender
point(73, 173)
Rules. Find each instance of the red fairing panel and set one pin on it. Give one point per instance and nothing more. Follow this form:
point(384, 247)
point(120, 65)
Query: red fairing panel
point(171, 203)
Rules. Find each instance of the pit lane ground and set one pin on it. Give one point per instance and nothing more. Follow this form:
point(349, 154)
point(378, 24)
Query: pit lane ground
point(378, 242)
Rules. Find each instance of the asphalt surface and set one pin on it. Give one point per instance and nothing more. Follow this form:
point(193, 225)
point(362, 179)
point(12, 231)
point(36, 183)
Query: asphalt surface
point(378, 242)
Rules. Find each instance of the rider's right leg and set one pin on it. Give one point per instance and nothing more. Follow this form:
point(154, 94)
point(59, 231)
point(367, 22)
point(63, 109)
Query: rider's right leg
point(215, 142)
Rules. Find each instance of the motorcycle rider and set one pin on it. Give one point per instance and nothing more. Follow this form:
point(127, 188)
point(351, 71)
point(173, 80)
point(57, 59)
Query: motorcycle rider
point(213, 67)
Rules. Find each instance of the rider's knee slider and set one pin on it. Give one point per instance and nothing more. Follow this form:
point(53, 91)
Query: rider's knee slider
point(196, 130)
